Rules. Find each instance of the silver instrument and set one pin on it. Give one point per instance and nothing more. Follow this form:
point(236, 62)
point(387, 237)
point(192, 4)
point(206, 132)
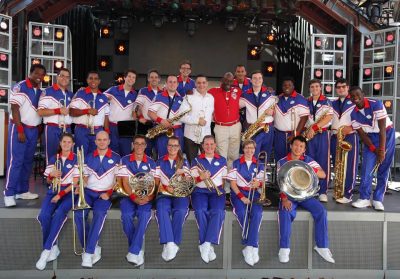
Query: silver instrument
point(199, 129)
point(61, 117)
point(90, 118)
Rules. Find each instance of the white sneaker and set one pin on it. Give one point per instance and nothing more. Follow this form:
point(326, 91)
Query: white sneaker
point(140, 258)
point(87, 260)
point(9, 201)
point(256, 257)
point(164, 253)
point(361, 203)
point(248, 255)
point(378, 205)
point(323, 198)
point(27, 196)
point(96, 255)
point(41, 263)
point(172, 250)
point(344, 200)
point(54, 252)
point(132, 258)
point(205, 251)
point(211, 255)
point(325, 253)
point(284, 255)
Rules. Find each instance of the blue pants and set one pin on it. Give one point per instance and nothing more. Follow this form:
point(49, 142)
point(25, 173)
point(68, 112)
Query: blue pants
point(209, 210)
point(368, 163)
point(83, 138)
point(53, 216)
point(352, 162)
point(130, 210)
point(281, 145)
point(171, 214)
point(318, 148)
point(92, 233)
point(253, 220)
point(19, 159)
point(162, 142)
point(264, 142)
point(317, 211)
point(52, 136)
point(122, 146)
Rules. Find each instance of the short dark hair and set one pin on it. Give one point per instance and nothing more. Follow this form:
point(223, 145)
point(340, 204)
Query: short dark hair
point(174, 138)
point(37, 66)
point(93, 72)
point(340, 80)
point(314, 80)
point(288, 79)
point(239, 65)
point(201, 76)
point(256, 72)
point(299, 138)
point(208, 137)
point(354, 88)
point(248, 142)
point(152, 71)
point(139, 136)
point(130, 71)
point(63, 70)
point(186, 61)
point(171, 75)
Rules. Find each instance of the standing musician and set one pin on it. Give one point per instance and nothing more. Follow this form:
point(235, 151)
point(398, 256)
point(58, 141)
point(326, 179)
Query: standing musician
point(101, 168)
point(134, 205)
point(208, 199)
point(288, 208)
point(58, 200)
point(171, 212)
point(185, 83)
point(375, 129)
point(144, 99)
point(321, 113)
point(90, 110)
point(291, 115)
point(342, 108)
point(122, 102)
point(164, 106)
point(258, 101)
point(23, 135)
point(244, 180)
point(241, 80)
point(53, 107)
point(198, 120)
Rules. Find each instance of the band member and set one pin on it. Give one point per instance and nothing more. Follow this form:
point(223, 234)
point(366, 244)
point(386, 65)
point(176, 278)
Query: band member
point(101, 168)
point(171, 212)
point(241, 81)
point(210, 170)
point(226, 117)
point(198, 120)
point(122, 102)
point(58, 202)
point(136, 206)
point(342, 108)
point(22, 135)
point(90, 110)
point(291, 115)
point(258, 100)
point(319, 120)
point(143, 101)
point(244, 180)
point(185, 83)
point(166, 105)
point(53, 107)
point(375, 129)
point(288, 208)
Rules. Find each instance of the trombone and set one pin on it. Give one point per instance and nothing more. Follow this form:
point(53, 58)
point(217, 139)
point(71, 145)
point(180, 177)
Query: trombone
point(90, 118)
point(208, 182)
point(81, 205)
point(61, 117)
point(56, 182)
point(249, 207)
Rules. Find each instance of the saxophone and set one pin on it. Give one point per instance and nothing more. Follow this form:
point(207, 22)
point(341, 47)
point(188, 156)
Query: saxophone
point(342, 149)
point(160, 129)
point(319, 120)
point(255, 128)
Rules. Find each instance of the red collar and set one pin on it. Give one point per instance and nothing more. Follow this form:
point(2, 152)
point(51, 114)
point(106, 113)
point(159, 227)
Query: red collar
point(29, 84)
point(245, 82)
point(203, 155)
point(321, 97)
point(293, 95)
point(56, 87)
point(151, 89)
point(243, 160)
point(70, 155)
point(366, 105)
point(108, 153)
point(121, 87)
point(166, 94)
point(180, 79)
point(166, 158)
point(289, 157)
point(88, 90)
point(250, 90)
point(133, 158)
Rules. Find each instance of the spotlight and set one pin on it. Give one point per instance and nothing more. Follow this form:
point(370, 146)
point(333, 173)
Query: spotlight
point(58, 64)
point(368, 42)
point(339, 44)
point(230, 24)
point(3, 60)
point(367, 74)
point(59, 35)
point(389, 38)
point(3, 92)
point(46, 30)
point(269, 69)
point(121, 47)
point(46, 78)
point(104, 63)
point(36, 61)
point(4, 25)
point(328, 88)
point(389, 70)
point(339, 74)
point(377, 87)
point(253, 52)
point(318, 73)
point(119, 78)
point(270, 38)
point(105, 32)
point(388, 105)
point(318, 43)
point(37, 32)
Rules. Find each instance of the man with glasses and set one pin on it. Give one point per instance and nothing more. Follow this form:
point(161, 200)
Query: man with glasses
point(54, 108)
point(185, 83)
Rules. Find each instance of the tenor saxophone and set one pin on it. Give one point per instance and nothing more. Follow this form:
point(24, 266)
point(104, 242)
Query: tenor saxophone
point(342, 149)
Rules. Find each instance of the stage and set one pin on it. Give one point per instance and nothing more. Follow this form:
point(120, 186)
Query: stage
point(365, 244)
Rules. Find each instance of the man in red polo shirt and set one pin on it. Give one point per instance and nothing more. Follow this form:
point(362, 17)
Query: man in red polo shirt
point(226, 117)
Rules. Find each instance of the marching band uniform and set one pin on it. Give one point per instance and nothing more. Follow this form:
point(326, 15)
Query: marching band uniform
point(367, 120)
point(256, 103)
point(295, 106)
point(122, 104)
point(209, 208)
point(82, 130)
point(53, 216)
point(246, 85)
point(185, 85)
point(342, 117)
point(319, 146)
point(54, 98)
point(171, 212)
point(166, 107)
point(20, 154)
point(243, 172)
point(101, 174)
point(129, 209)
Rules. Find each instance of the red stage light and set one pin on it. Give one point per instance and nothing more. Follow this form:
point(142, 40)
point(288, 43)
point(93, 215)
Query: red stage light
point(3, 57)
point(339, 43)
point(35, 61)
point(389, 37)
point(318, 73)
point(318, 43)
point(328, 88)
point(368, 42)
point(3, 92)
point(367, 72)
point(37, 31)
point(338, 73)
point(377, 86)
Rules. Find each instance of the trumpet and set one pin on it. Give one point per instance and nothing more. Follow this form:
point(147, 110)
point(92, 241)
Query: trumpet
point(81, 204)
point(208, 182)
point(90, 118)
point(61, 117)
point(56, 182)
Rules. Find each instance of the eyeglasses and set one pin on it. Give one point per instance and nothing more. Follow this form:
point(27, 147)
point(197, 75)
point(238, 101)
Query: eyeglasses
point(173, 145)
point(63, 76)
point(139, 144)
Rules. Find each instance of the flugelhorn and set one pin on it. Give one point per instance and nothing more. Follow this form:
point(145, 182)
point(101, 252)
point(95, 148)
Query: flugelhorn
point(208, 182)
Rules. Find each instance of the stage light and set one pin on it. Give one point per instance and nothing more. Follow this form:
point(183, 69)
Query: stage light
point(121, 47)
point(104, 63)
point(339, 73)
point(35, 61)
point(367, 72)
point(37, 32)
point(106, 32)
point(59, 35)
point(4, 26)
point(270, 39)
point(388, 104)
point(339, 43)
point(58, 64)
point(318, 73)
point(377, 86)
point(3, 92)
point(46, 30)
point(328, 88)
point(368, 42)
point(390, 38)
point(229, 6)
point(389, 69)
point(3, 60)
point(119, 78)
point(268, 69)
point(253, 52)
point(318, 43)
point(46, 78)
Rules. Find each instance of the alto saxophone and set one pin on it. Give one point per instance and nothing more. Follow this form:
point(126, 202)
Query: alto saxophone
point(255, 128)
point(342, 149)
point(319, 120)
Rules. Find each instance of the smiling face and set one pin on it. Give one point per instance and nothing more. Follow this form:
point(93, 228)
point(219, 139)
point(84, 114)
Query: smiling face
point(102, 140)
point(249, 150)
point(173, 147)
point(201, 84)
point(130, 79)
point(209, 146)
point(357, 97)
point(139, 146)
point(63, 79)
point(298, 148)
point(315, 89)
point(153, 79)
point(227, 81)
point(240, 73)
point(66, 144)
point(287, 87)
point(93, 80)
point(37, 76)
point(257, 80)
point(342, 90)
point(172, 84)
point(185, 70)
